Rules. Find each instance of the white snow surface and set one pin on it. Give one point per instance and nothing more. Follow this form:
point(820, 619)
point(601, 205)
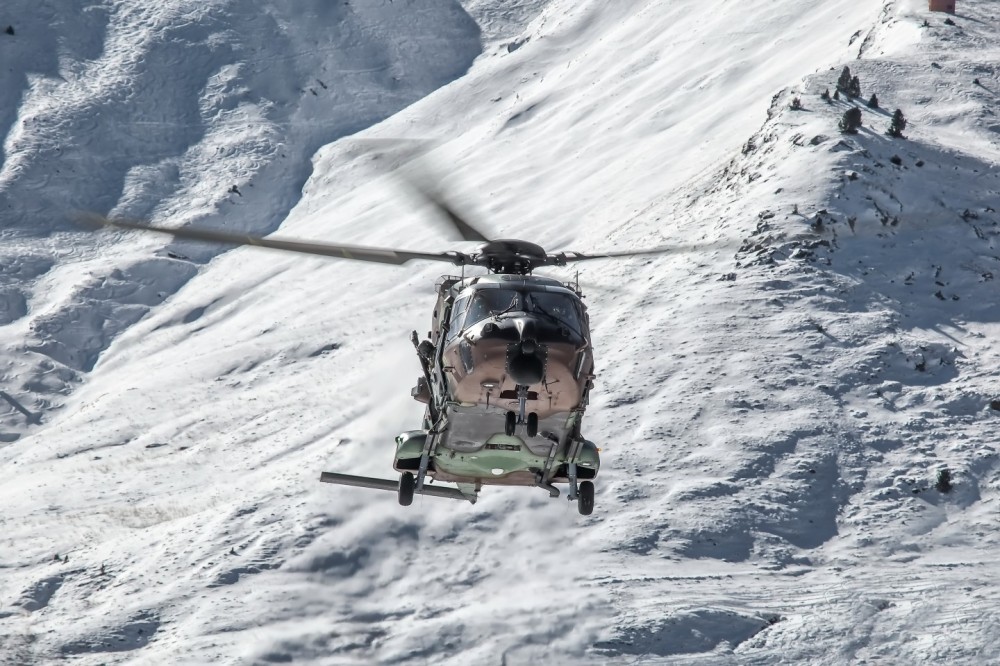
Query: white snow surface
point(775, 403)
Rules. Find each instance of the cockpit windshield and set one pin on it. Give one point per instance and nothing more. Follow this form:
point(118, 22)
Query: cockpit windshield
point(558, 307)
point(489, 302)
point(561, 308)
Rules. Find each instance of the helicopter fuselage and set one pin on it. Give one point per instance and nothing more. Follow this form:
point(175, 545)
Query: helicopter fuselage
point(508, 369)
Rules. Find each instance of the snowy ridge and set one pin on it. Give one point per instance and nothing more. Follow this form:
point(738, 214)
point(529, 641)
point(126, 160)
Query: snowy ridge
point(775, 406)
point(189, 111)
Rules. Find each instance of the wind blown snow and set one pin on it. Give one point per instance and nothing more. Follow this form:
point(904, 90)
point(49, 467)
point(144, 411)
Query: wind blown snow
point(797, 414)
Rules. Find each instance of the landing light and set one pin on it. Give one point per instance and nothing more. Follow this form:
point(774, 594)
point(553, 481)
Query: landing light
point(496, 471)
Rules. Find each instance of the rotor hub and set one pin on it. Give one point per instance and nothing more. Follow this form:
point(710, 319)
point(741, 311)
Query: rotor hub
point(510, 256)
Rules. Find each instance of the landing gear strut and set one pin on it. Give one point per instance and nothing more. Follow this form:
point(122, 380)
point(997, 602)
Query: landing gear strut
point(521, 415)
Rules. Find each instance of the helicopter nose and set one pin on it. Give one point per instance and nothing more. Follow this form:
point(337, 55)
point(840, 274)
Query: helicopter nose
point(525, 369)
point(526, 332)
point(524, 363)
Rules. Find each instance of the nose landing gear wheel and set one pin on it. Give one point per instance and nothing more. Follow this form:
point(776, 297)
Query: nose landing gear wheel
point(406, 486)
point(509, 424)
point(532, 424)
point(585, 500)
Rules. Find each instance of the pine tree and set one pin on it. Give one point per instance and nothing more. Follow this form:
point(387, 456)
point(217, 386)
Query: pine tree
point(943, 484)
point(851, 121)
point(796, 104)
point(873, 101)
point(836, 94)
point(825, 95)
point(897, 125)
point(854, 88)
point(844, 82)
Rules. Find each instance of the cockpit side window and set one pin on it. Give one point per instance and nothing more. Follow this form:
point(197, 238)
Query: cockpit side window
point(488, 302)
point(457, 315)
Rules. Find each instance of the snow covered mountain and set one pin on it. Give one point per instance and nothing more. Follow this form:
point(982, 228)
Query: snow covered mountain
point(796, 416)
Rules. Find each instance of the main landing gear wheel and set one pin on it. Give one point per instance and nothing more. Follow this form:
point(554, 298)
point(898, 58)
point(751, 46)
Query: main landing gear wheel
point(509, 424)
point(532, 424)
point(407, 484)
point(585, 498)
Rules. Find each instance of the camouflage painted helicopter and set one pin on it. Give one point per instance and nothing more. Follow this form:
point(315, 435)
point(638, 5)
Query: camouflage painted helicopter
point(507, 367)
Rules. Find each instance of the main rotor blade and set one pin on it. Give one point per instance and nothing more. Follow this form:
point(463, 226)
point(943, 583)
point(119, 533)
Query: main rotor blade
point(356, 252)
point(465, 229)
point(567, 257)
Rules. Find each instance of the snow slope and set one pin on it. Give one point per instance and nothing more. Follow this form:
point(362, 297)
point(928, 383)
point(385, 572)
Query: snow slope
point(189, 111)
point(775, 406)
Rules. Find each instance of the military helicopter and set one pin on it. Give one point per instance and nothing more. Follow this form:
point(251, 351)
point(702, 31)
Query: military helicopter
point(507, 366)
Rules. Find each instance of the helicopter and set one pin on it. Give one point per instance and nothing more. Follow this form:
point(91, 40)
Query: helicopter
point(507, 366)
